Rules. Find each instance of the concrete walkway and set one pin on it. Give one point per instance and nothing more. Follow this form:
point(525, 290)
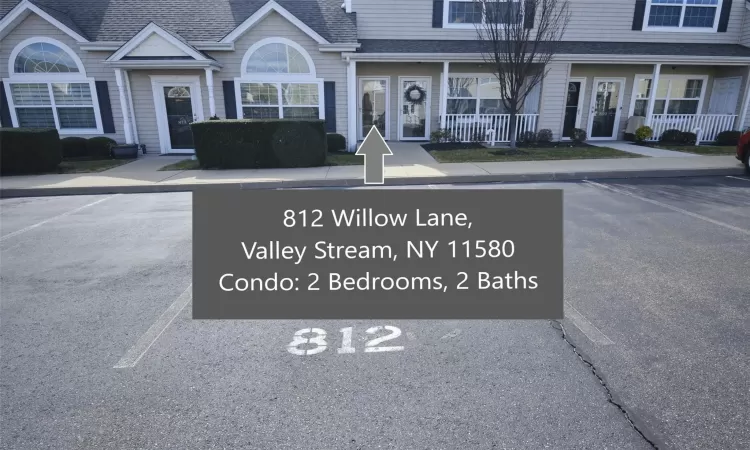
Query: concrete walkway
point(143, 176)
point(625, 146)
point(408, 153)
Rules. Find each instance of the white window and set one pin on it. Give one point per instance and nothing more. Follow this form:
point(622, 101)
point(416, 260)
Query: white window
point(48, 88)
point(467, 13)
point(480, 95)
point(674, 95)
point(278, 81)
point(682, 15)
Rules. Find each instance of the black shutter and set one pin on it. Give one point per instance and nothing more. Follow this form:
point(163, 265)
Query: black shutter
point(638, 15)
point(230, 103)
point(437, 14)
point(529, 12)
point(105, 107)
point(5, 119)
point(726, 10)
point(329, 97)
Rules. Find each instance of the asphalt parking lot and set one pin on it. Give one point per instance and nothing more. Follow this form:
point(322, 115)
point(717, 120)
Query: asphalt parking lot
point(99, 350)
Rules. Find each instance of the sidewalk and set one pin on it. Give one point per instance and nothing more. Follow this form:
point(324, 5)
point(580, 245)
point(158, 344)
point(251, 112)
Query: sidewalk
point(142, 176)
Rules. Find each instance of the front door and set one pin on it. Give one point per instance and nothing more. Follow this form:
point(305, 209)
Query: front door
point(573, 105)
point(414, 108)
point(373, 106)
point(178, 104)
point(725, 95)
point(606, 105)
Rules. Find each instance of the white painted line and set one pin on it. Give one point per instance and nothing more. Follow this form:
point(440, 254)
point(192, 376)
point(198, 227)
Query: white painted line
point(136, 352)
point(738, 178)
point(587, 328)
point(39, 224)
point(452, 334)
point(673, 208)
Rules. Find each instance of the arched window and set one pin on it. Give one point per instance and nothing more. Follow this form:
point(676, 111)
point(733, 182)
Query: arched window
point(48, 88)
point(278, 81)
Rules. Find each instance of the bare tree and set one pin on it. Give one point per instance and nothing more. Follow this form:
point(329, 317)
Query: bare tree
point(519, 39)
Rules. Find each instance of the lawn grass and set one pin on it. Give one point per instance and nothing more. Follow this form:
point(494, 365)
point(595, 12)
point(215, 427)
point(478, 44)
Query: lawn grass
point(185, 164)
point(702, 149)
point(90, 166)
point(343, 159)
point(528, 154)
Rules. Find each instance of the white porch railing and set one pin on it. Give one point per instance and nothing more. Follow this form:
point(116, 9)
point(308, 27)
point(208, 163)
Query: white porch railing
point(706, 126)
point(473, 127)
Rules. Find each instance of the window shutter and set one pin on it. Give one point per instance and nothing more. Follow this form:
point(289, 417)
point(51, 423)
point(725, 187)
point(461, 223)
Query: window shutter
point(105, 107)
point(230, 102)
point(437, 14)
point(726, 10)
point(639, 14)
point(5, 119)
point(529, 11)
point(329, 97)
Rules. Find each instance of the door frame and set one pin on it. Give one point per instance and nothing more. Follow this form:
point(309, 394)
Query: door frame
point(618, 115)
point(581, 103)
point(196, 99)
point(428, 107)
point(388, 111)
point(713, 89)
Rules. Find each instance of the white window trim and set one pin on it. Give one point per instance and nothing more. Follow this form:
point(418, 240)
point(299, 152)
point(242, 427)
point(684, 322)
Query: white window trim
point(470, 26)
point(478, 98)
point(279, 78)
point(681, 29)
point(49, 79)
point(640, 77)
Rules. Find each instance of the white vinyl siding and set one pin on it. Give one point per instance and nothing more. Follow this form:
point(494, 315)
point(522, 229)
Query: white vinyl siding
point(34, 26)
point(591, 20)
point(554, 95)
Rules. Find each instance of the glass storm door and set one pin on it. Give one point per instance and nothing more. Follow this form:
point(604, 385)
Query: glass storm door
point(572, 107)
point(179, 105)
point(606, 101)
point(373, 106)
point(414, 114)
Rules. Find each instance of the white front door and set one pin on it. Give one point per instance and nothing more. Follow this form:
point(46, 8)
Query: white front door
point(414, 108)
point(606, 106)
point(725, 95)
point(373, 106)
point(178, 103)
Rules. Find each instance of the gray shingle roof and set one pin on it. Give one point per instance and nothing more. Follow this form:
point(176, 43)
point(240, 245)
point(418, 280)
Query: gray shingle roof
point(193, 20)
point(567, 47)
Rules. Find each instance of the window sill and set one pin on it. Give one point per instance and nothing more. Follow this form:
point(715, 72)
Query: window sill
point(79, 131)
point(681, 29)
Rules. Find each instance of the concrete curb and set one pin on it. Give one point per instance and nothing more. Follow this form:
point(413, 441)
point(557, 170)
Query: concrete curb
point(351, 182)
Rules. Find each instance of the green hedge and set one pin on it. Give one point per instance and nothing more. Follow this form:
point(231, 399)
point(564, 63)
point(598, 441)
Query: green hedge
point(29, 150)
point(266, 143)
point(728, 137)
point(74, 147)
point(100, 147)
point(336, 142)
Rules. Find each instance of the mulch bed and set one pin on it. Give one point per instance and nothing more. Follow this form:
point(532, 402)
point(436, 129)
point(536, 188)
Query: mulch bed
point(469, 145)
point(452, 146)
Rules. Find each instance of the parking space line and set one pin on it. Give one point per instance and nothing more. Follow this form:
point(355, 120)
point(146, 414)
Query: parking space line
point(39, 224)
point(590, 330)
point(738, 178)
point(673, 208)
point(136, 352)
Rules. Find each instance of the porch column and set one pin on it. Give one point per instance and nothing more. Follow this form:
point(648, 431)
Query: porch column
point(210, 86)
point(745, 105)
point(652, 94)
point(444, 94)
point(119, 77)
point(133, 123)
point(351, 86)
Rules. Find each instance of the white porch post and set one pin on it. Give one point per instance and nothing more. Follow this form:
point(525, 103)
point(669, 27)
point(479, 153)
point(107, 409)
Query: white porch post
point(124, 106)
point(133, 124)
point(745, 103)
point(210, 86)
point(444, 94)
point(652, 94)
point(351, 86)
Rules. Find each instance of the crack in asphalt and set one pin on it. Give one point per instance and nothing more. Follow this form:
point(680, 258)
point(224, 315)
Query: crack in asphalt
point(610, 397)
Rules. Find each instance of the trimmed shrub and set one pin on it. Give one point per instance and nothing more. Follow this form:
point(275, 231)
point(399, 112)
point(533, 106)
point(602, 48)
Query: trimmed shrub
point(266, 143)
point(688, 138)
point(477, 137)
point(442, 136)
point(728, 138)
point(643, 133)
point(336, 142)
point(100, 147)
point(29, 150)
point(527, 138)
point(544, 135)
point(578, 135)
point(73, 147)
point(671, 137)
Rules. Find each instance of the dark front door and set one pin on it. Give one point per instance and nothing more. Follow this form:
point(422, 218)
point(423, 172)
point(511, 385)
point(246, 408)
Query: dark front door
point(571, 107)
point(179, 116)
